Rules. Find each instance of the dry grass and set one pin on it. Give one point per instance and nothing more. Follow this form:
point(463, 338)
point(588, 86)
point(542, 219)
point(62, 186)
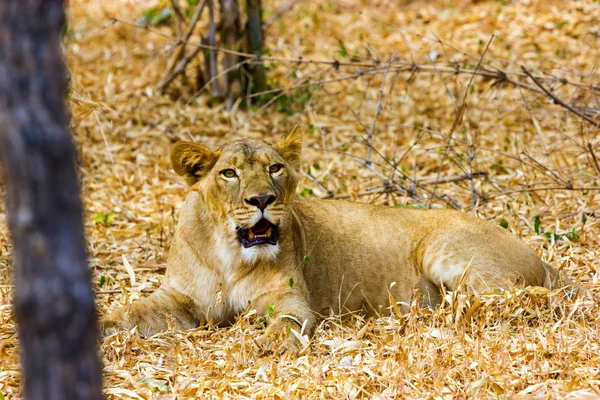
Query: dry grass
point(507, 345)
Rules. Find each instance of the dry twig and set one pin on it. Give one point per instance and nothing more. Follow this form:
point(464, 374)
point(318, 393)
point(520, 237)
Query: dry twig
point(558, 101)
point(177, 65)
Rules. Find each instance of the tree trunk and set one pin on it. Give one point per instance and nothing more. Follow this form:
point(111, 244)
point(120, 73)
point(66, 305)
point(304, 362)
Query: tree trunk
point(53, 302)
point(231, 33)
point(210, 56)
point(254, 39)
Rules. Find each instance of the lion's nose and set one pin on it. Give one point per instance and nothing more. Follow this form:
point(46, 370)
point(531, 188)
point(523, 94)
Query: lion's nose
point(261, 201)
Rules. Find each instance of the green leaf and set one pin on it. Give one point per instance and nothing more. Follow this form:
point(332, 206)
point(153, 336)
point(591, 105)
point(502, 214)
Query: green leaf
point(504, 223)
point(1, 396)
point(271, 310)
point(572, 235)
point(306, 259)
point(291, 282)
point(316, 166)
point(99, 217)
point(105, 218)
point(149, 13)
point(193, 2)
point(156, 385)
point(162, 17)
point(316, 20)
point(156, 16)
point(306, 192)
point(109, 218)
point(101, 283)
point(536, 224)
point(342, 50)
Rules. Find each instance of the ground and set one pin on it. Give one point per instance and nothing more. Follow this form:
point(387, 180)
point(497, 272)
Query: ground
point(537, 177)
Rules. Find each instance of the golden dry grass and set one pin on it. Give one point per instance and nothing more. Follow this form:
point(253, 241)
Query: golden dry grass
point(513, 345)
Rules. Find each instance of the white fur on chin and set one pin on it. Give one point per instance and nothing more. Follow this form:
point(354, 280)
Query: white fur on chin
point(256, 253)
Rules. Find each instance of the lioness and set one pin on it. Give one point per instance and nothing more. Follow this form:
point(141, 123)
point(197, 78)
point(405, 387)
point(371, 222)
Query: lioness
point(243, 240)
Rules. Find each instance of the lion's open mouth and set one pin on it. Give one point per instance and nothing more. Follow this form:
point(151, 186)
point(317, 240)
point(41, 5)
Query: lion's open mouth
point(263, 232)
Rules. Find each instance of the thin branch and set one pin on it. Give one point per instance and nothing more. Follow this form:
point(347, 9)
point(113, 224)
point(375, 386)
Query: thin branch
point(542, 189)
point(496, 75)
point(377, 109)
point(454, 178)
point(591, 149)
point(317, 83)
point(387, 181)
point(177, 70)
point(214, 78)
point(330, 194)
point(386, 189)
point(444, 198)
point(377, 190)
point(461, 110)
point(558, 101)
point(178, 17)
point(182, 40)
point(545, 169)
point(279, 13)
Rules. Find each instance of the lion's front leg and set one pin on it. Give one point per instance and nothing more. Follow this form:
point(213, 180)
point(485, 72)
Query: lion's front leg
point(284, 310)
point(151, 314)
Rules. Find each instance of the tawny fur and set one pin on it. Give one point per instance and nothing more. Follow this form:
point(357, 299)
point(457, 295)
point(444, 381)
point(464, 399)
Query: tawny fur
point(332, 256)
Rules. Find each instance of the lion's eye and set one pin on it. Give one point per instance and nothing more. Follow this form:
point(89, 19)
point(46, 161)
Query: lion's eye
point(229, 173)
point(275, 168)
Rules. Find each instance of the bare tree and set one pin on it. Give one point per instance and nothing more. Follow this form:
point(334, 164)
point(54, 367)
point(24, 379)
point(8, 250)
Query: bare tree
point(53, 302)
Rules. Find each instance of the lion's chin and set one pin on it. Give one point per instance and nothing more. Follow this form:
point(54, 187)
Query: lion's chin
point(260, 253)
point(262, 234)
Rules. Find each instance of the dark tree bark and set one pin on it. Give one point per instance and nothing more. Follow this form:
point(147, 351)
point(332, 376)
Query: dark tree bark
point(54, 302)
point(231, 33)
point(255, 42)
point(210, 55)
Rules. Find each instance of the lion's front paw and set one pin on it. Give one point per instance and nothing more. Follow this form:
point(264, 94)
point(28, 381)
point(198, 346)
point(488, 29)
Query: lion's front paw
point(110, 325)
point(114, 322)
point(279, 339)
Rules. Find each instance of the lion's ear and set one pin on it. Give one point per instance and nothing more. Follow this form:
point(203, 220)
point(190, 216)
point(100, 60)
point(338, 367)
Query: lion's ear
point(192, 161)
point(290, 147)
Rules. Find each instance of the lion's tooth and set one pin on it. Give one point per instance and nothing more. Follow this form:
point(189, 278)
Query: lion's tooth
point(251, 235)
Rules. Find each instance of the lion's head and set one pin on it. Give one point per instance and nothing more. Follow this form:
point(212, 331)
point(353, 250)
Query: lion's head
point(247, 186)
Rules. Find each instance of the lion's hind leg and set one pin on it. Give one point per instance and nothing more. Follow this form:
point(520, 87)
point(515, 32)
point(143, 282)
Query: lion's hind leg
point(152, 314)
